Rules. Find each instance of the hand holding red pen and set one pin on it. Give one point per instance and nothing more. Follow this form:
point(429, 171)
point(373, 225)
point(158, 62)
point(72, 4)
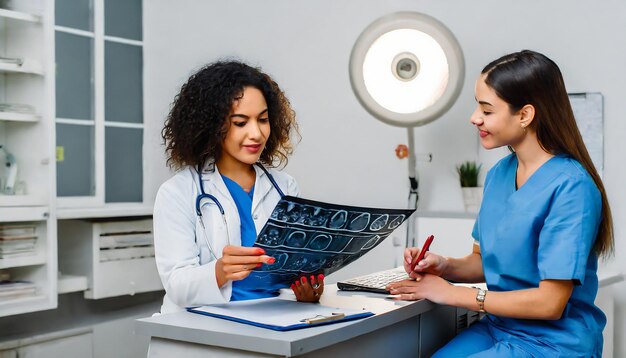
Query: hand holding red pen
point(420, 261)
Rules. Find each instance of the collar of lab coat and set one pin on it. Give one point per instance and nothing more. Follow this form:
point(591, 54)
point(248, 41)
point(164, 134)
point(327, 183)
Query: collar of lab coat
point(262, 185)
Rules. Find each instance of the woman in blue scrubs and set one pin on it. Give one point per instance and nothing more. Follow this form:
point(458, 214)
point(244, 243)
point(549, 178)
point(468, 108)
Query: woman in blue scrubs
point(542, 225)
point(229, 125)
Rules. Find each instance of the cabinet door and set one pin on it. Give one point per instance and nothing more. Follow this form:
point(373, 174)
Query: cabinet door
point(73, 346)
point(11, 353)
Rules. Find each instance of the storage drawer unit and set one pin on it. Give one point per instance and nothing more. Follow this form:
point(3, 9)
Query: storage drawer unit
point(116, 256)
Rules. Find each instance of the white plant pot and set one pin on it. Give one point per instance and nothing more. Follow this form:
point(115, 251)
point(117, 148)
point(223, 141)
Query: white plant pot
point(472, 197)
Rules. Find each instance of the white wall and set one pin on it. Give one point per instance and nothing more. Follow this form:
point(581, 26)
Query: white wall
point(347, 156)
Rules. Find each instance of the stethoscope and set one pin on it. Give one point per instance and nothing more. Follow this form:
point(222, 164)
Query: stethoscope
point(204, 195)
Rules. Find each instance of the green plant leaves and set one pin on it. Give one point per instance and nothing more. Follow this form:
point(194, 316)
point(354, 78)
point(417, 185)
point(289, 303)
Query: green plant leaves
point(468, 173)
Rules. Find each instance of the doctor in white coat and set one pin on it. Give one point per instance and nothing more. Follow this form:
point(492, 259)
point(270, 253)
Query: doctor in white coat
point(228, 123)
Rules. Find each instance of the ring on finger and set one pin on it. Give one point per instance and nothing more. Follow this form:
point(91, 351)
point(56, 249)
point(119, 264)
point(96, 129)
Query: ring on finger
point(316, 294)
point(316, 286)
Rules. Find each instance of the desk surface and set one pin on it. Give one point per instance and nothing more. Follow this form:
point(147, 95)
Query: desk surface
point(210, 331)
point(195, 328)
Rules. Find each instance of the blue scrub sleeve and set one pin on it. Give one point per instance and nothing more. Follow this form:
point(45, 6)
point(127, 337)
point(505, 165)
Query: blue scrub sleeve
point(569, 230)
point(476, 230)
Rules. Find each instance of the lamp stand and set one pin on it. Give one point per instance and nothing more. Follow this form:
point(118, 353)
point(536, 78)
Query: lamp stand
point(413, 194)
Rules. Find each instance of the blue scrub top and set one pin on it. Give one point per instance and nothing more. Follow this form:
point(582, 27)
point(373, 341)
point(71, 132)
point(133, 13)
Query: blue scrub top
point(544, 230)
point(250, 287)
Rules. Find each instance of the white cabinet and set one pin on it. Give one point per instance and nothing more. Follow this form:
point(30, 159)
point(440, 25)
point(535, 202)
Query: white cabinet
point(26, 81)
point(71, 82)
point(28, 261)
point(116, 256)
point(27, 139)
point(72, 343)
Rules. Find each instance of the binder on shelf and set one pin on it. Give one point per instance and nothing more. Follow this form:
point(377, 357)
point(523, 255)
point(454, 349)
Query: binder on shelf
point(279, 314)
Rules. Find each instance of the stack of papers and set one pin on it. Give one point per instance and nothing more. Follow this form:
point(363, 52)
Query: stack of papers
point(10, 290)
point(126, 245)
point(17, 241)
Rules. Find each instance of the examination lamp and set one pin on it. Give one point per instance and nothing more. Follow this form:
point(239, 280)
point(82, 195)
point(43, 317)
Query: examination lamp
point(407, 70)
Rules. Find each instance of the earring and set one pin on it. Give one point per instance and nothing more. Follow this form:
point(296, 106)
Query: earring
point(524, 127)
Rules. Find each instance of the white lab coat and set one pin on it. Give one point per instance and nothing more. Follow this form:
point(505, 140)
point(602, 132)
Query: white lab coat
point(184, 262)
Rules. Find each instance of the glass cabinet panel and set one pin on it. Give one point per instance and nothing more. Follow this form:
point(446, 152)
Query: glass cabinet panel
point(122, 18)
point(123, 165)
point(74, 73)
point(123, 82)
point(75, 160)
point(77, 14)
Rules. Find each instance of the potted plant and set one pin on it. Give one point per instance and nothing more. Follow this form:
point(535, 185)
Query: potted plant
point(468, 177)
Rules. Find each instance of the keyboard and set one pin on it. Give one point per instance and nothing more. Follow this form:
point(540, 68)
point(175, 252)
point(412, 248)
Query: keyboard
point(374, 282)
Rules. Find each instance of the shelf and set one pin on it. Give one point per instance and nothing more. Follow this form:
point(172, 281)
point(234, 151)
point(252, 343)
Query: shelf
point(110, 211)
point(36, 213)
point(37, 259)
point(19, 117)
point(70, 283)
point(22, 301)
point(21, 200)
point(17, 15)
point(28, 67)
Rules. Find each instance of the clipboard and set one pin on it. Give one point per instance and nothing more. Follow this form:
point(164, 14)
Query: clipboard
point(279, 314)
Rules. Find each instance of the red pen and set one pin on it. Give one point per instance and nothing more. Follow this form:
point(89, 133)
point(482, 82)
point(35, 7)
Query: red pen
point(425, 248)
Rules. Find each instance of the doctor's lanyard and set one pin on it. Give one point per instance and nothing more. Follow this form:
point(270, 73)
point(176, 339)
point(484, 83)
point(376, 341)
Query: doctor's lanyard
point(203, 195)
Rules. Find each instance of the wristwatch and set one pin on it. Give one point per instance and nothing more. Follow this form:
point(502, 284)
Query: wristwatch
point(480, 299)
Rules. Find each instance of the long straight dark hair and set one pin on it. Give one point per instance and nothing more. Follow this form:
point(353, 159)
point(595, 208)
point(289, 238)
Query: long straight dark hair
point(528, 77)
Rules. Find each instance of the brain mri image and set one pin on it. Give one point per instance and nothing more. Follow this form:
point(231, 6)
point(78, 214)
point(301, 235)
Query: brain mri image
point(320, 242)
point(338, 219)
point(397, 221)
point(271, 238)
point(360, 222)
point(371, 242)
point(296, 239)
point(310, 237)
point(379, 223)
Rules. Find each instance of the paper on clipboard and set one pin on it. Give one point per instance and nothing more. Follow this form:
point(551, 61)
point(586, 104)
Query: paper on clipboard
point(279, 314)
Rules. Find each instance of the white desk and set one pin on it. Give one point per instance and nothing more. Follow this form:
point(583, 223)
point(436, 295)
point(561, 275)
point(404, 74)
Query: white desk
point(395, 330)
point(398, 328)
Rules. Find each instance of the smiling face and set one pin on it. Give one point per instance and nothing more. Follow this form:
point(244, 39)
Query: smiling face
point(248, 130)
point(496, 124)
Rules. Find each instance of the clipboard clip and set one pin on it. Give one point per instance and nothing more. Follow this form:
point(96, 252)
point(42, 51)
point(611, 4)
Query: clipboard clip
point(321, 318)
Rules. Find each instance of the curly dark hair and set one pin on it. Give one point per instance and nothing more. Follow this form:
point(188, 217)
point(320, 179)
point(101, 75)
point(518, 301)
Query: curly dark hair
point(195, 127)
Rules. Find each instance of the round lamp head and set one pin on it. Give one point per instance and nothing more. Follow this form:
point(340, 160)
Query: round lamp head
point(406, 69)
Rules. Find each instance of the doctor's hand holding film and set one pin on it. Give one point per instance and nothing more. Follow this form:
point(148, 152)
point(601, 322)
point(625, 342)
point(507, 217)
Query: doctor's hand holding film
point(237, 262)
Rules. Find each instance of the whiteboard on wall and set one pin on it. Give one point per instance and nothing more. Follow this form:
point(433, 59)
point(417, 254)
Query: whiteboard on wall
point(588, 110)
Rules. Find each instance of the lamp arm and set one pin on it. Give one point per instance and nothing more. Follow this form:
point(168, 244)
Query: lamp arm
point(412, 160)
